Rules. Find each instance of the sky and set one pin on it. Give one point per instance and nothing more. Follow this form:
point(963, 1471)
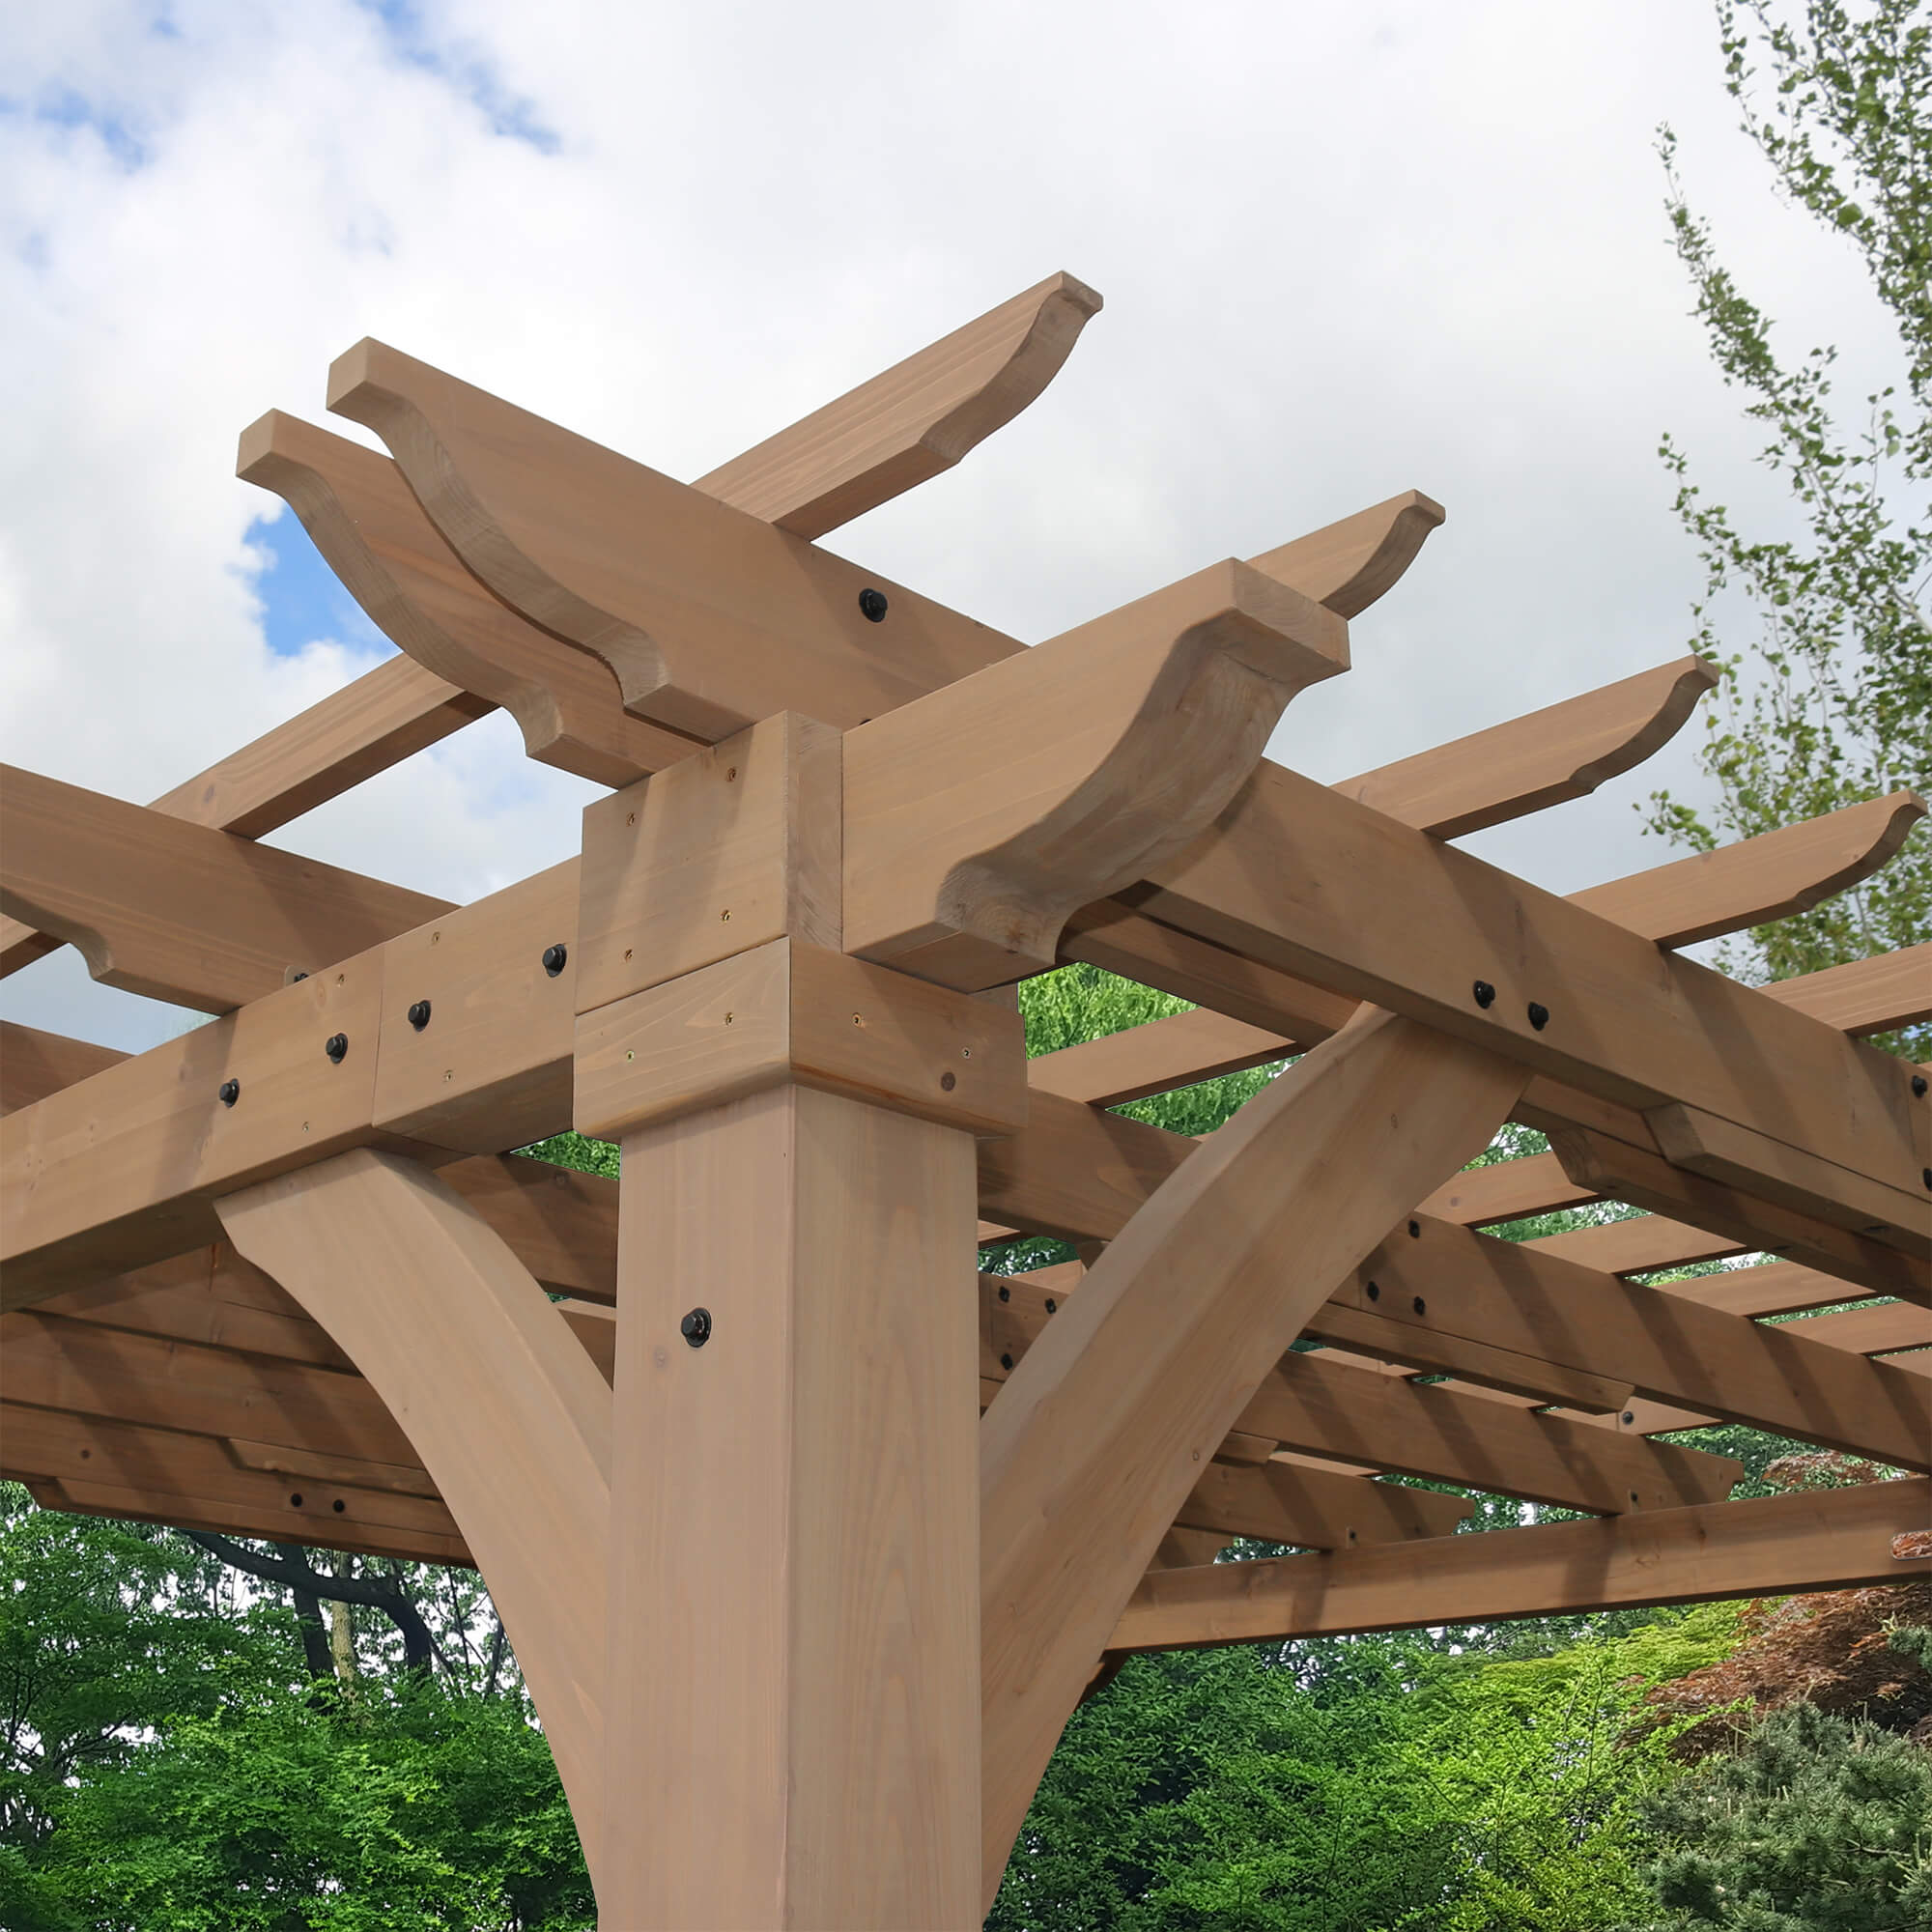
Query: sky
point(1346, 250)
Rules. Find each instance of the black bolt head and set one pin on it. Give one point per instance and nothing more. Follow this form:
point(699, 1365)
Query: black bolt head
point(1374, 1290)
point(1485, 994)
point(695, 1327)
point(555, 958)
point(420, 1014)
point(1630, 1416)
point(1415, 1231)
point(296, 1501)
point(1006, 1361)
point(1052, 1306)
point(1420, 1306)
point(1925, 1174)
point(1539, 1015)
point(339, 1506)
point(336, 1046)
point(873, 606)
point(1005, 1294)
point(231, 1092)
point(1918, 1086)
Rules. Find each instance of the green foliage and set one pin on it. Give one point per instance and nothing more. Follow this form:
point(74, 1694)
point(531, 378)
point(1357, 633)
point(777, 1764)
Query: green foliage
point(1819, 1824)
point(1354, 1785)
point(1832, 703)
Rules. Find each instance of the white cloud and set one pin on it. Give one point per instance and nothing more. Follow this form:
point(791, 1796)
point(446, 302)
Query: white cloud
point(1344, 251)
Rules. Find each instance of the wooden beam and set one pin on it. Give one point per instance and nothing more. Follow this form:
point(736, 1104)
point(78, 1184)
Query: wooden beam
point(1100, 1434)
point(1306, 881)
point(373, 533)
point(1351, 564)
point(1864, 995)
point(514, 1424)
point(912, 421)
point(181, 912)
point(1314, 1509)
point(794, 1623)
point(1758, 880)
point(980, 818)
point(1563, 751)
point(377, 720)
point(33, 1064)
point(1446, 1280)
point(1815, 1539)
point(160, 1476)
point(710, 618)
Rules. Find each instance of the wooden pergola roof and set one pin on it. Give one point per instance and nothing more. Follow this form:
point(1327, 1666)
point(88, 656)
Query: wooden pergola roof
point(801, 1622)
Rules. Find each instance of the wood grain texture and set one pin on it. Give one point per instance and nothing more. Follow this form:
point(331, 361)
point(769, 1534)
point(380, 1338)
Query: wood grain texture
point(979, 819)
point(737, 845)
point(1563, 751)
point(1864, 996)
point(181, 912)
point(1348, 565)
point(1453, 1281)
point(33, 1064)
point(1821, 1540)
point(1314, 1509)
point(1102, 1429)
point(373, 533)
point(514, 1424)
point(377, 720)
point(793, 1609)
point(784, 1013)
point(1758, 880)
point(911, 422)
point(710, 618)
point(1312, 883)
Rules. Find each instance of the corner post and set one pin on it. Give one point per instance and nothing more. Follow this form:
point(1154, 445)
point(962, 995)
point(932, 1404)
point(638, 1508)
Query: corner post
point(793, 1718)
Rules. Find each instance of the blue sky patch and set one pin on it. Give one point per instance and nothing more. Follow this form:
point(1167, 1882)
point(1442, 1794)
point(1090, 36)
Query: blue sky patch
point(301, 598)
point(513, 116)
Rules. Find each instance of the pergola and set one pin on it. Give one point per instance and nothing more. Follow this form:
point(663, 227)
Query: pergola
point(809, 1538)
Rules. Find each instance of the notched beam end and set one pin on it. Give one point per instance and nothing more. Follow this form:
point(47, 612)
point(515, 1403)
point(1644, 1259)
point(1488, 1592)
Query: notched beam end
point(1348, 565)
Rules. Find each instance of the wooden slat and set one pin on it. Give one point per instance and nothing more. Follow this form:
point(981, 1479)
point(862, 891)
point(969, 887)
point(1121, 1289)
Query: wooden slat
point(1315, 1509)
point(1758, 880)
point(710, 618)
point(373, 533)
point(160, 1475)
point(1089, 1451)
point(1816, 1540)
point(1563, 751)
point(33, 1064)
point(1452, 1280)
point(912, 421)
point(1868, 1331)
point(377, 720)
point(1351, 564)
point(181, 912)
point(514, 1423)
point(1864, 995)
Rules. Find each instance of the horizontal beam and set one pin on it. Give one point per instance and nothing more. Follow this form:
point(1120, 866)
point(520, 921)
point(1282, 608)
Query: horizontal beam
point(181, 912)
point(33, 1064)
point(1815, 1539)
point(1563, 751)
point(1864, 996)
point(912, 421)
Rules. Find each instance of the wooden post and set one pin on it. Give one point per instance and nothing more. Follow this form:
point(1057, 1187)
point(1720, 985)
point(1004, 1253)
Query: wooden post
point(792, 1712)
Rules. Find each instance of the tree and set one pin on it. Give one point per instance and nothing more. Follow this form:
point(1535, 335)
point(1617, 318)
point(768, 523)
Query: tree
point(1831, 701)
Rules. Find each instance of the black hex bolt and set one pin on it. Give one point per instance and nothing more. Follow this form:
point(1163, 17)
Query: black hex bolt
point(1630, 1416)
point(1005, 1294)
point(1374, 1290)
point(1415, 1231)
point(230, 1092)
point(873, 606)
point(420, 1014)
point(1539, 1015)
point(336, 1046)
point(1420, 1306)
point(695, 1327)
point(1052, 1306)
point(1918, 1086)
point(1485, 994)
point(1006, 1361)
point(555, 958)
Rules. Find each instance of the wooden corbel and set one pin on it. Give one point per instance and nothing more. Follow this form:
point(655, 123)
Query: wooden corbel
point(979, 819)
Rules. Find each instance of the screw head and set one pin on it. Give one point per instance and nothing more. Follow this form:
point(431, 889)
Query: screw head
point(1485, 994)
point(1374, 1290)
point(230, 1092)
point(1415, 1231)
point(1539, 1015)
point(1006, 1361)
point(1420, 1306)
point(420, 1014)
point(555, 960)
point(695, 1327)
point(336, 1046)
point(1052, 1306)
point(873, 606)
point(1630, 1416)
point(1918, 1086)
point(1005, 1294)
